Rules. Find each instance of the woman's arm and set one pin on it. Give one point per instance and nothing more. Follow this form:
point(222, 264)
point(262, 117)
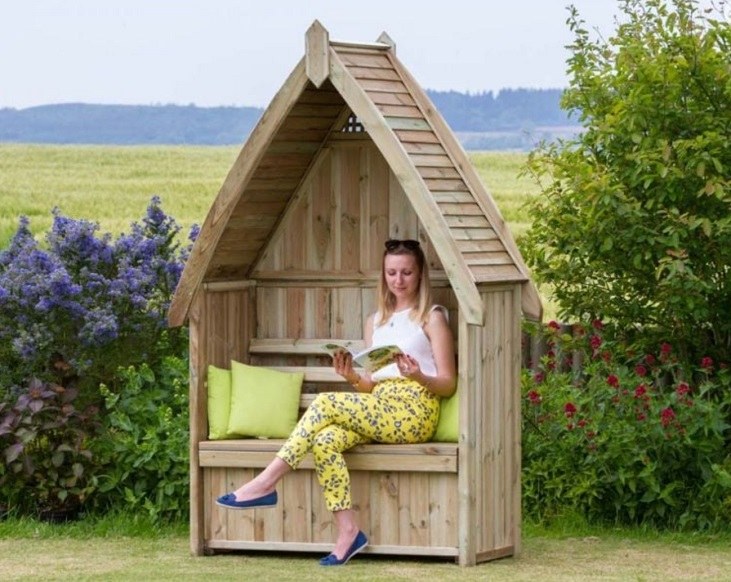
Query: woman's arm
point(442, 343)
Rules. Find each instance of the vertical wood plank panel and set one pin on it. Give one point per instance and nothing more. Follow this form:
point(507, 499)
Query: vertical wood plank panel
point(239, 524)
point(322, 218)
point(378, 211)
point(297, 499)
point(513, 421)
point(349, 203)
point(360, 493)
point(402, 219)
point(384, 508)
point(198, 398)
point(470, 365)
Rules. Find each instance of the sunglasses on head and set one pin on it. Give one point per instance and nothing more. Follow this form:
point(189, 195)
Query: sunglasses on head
point(392, 244)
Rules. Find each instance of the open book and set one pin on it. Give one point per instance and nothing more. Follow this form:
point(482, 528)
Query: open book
point(371, 359)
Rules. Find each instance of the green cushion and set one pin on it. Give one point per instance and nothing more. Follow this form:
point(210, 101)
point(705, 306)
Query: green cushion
point(219, 402)
point(448, 427)
point(264, 402)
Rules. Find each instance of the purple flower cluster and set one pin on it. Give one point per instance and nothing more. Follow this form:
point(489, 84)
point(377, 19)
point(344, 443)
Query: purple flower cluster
point(84, 294)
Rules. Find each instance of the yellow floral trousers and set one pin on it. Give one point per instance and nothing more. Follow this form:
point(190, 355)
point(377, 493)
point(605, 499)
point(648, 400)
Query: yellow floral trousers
point(396, 411)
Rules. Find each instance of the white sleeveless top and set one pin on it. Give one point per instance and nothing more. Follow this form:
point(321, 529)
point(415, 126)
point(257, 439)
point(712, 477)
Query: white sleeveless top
point(409, 335)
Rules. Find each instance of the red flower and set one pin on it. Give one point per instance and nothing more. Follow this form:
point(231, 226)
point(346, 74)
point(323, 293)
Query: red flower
point(666, 348)
point(650, 359)
point(582, 423)
point(707, 363)
point(538, 377)
point(597, 324)
point(553, 325)
point(640, 370)
point(667, 415)
point(590, 434)
point(682, 389)
point(640, 391)
point(569, 409)
point(534, 397)
point(595, 341)
point(612, 380)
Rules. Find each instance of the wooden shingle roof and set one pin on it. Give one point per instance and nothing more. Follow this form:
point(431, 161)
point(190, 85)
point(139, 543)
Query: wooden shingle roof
point(332, 82)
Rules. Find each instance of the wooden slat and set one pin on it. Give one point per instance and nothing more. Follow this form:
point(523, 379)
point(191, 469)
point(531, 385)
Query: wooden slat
point(472, 233)
point(317, 53)
point(431, 161)
point(354, 59)
point(324, 547)
point(466, 221)
point(497, 273)
point(356, 461)
point(462, 210)
point(320, 96)
point(407, 123)
point(302, 134)
point(299, 346)
point(483, 259)
point(455, 197)
point(400, 111)
point(381, 98)
point(405, 135)
point(293, 147)
point(445, 185)
point(308, 122)
point(273, 173)
point(482, 246)
point(330, 110)
point(374, 73)
point(427, 148)
point(382, 86)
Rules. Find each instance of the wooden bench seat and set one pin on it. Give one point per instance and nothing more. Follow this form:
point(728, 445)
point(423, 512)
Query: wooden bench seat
point(257, 453)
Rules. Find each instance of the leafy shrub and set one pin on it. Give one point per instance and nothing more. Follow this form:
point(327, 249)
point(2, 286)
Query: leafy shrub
point(634, 222)
point(75, 311)
point(632, 438)
point(44, 442)
point(143, 448)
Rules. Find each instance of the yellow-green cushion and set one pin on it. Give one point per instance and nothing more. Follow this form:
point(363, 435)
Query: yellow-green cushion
point(448, 427)
point(264, 402)
point(219, 402)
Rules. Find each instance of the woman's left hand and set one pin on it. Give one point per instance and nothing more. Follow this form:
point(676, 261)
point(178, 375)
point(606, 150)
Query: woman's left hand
point(407, 365)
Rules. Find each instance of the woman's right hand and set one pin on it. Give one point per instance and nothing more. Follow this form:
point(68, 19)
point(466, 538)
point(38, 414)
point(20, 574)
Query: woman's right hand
point(343, 364)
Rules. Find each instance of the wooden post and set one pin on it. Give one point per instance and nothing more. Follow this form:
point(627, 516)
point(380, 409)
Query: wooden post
point(317, 48)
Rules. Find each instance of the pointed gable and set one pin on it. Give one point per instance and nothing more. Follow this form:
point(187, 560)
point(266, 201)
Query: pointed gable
point(364, 85)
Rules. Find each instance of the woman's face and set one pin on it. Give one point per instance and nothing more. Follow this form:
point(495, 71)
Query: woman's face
point(402, 277)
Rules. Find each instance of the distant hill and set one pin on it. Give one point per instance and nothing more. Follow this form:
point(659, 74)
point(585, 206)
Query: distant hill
point(511, 119)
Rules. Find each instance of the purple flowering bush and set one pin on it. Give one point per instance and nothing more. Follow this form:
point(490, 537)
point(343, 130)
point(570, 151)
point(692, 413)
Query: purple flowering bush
point(77, 315)
point(76, 308)
point(634, 437)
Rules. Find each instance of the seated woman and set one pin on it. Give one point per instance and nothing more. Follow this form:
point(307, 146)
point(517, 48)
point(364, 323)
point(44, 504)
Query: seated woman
point(397, 404)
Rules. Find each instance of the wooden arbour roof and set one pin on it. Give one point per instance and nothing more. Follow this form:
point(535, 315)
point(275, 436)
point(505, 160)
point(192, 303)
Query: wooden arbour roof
point(336, 81)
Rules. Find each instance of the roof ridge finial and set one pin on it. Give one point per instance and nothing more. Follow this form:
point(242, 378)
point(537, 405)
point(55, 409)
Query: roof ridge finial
point(317, 53)
point(387, 40)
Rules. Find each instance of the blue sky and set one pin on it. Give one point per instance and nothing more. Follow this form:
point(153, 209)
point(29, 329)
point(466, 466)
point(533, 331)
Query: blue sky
point(238, 52)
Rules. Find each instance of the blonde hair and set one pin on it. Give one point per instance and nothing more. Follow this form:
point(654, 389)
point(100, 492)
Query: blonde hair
point(387, 300)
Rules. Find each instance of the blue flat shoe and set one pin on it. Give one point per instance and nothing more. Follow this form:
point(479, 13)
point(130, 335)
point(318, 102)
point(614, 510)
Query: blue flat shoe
point(229, 501)
point(360, 542)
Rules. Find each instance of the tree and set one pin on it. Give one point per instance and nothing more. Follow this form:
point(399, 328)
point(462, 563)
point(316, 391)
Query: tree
point(634, 223)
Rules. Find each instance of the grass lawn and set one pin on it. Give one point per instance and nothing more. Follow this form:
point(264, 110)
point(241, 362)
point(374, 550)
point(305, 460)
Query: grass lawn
point(115, 550)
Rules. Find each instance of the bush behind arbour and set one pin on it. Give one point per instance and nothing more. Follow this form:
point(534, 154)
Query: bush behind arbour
point(74, 311)
point(84, 311)
point(633, 438)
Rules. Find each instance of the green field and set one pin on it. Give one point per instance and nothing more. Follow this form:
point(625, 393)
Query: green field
point(113, 185)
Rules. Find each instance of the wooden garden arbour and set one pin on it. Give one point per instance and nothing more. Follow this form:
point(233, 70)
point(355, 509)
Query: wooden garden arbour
point(349, 153)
